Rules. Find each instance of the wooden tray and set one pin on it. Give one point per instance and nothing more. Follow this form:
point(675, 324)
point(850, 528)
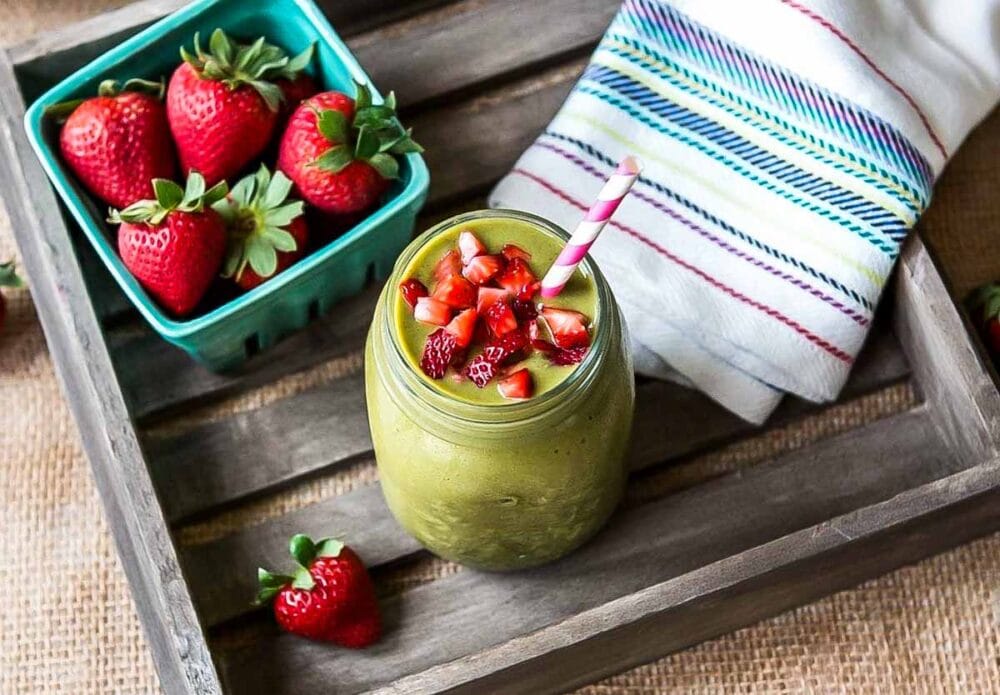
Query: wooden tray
point(671, 570)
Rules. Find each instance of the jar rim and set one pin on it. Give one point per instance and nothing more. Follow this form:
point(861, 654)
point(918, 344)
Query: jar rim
point(605, 324)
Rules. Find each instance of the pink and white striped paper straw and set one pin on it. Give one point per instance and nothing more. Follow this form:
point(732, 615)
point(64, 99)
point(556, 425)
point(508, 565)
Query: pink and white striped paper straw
point(611, 195)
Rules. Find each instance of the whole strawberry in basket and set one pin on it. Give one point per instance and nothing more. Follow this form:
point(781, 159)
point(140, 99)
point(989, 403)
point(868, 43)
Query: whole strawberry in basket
point(174, 245)
point(341, 152)
point(118, 141)
point(267, 232)
point(330, 597)
point(223, 104)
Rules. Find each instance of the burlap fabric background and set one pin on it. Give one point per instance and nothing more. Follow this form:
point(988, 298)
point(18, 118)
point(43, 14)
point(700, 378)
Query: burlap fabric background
point(68, 625)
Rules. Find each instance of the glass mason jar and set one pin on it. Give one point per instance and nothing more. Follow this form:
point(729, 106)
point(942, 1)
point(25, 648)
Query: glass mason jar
point(506, 486)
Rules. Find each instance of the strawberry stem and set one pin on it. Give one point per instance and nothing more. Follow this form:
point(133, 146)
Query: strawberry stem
point(9, 276)
point(108, 88)
point(192, 198)
point(374, 136)
point(257, 213)
point(258, 65)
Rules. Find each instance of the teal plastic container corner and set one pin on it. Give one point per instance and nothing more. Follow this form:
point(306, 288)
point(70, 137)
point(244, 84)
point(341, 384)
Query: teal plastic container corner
point(224, 337)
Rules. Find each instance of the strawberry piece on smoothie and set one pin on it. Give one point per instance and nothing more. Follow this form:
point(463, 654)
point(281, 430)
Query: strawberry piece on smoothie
point(432, 311)
point(482, 269)
point(439, 352)
point(462, 327)
point(480, 370)
point(456, 292)
point(512, 251)
point(450, 264)
point(469, 247)
point(412, 290)
point(568, 328)
point(488, 296)
point(517, 386)
point(500, 319)
point(518, 279)
point(508, 348)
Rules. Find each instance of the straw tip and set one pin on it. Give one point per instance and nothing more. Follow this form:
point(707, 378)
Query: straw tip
point(630, 165)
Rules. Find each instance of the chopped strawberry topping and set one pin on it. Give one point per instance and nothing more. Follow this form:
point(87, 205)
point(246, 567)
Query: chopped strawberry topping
point(412, 290)
point(456, 291)
point(487, 301)
point(489, 296)
point(482, 269)
point(439, 351)
point(500, 318)
point(469, 247)
point(524, 311)
point(462, 327)
point(510, 252)
point(450, 264)
point(480, 370)
point(518, 279)
point(507, 348)
point(558, 356)
point(568, 328)
point(430, 310)
point(517, 385)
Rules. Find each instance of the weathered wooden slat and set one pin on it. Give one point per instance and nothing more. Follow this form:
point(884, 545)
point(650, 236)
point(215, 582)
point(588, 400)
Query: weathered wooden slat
point(253, 451)
point(179, 379)
point(467, 147)
point(473, 42)
point(199, 469)
point(659, 541)
point(218, 572)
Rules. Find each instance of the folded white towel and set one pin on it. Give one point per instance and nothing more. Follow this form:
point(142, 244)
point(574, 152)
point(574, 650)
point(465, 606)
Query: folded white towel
point(789, 146)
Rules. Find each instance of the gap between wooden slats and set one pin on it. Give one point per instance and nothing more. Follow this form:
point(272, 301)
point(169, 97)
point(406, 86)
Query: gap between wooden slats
point(443, 620)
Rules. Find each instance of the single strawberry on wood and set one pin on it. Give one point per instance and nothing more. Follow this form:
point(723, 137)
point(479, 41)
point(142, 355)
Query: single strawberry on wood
point(330, 597)
point(266, 231)
point(341, 152)
point(8, 278)
point(119, 141)
point(223, 105)
point(985, 307)
point(174, 245)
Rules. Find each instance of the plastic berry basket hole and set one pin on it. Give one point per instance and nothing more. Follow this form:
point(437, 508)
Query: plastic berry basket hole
point(217, 334)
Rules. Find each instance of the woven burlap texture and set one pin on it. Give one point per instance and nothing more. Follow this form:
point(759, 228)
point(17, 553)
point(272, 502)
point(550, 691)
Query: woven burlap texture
point(68, 624)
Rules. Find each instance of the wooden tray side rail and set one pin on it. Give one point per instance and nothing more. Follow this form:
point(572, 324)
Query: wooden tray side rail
point(798, 526)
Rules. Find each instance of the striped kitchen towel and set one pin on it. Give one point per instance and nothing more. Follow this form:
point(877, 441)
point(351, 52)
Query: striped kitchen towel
point(789, 146)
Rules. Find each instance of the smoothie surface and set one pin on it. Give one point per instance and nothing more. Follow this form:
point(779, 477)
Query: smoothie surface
point(580, 294)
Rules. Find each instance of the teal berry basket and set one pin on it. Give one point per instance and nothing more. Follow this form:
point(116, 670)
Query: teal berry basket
point(226, 335)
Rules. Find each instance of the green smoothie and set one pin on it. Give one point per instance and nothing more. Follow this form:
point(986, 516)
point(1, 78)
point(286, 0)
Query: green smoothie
point(488, 482)
point(580, 294)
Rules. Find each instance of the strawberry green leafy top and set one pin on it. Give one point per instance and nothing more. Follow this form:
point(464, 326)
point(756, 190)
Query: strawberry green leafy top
point(374, 135)
point(170, 197)
point(108, 88)
point(986, 302)
point(257, 65)
point(256, 212)
point(304, 550)
point(8, 275)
